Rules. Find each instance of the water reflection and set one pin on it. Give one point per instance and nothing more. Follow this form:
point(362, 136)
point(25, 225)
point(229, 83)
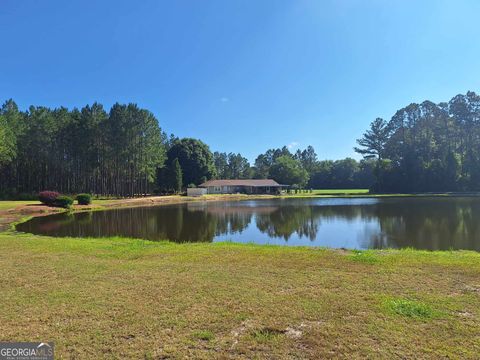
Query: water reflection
point(425, 223)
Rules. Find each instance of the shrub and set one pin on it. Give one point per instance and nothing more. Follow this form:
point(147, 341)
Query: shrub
point(64, 201)
point(84, 199)
point(48, 197)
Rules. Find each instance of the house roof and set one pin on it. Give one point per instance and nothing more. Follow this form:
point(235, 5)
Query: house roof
point(240, 182)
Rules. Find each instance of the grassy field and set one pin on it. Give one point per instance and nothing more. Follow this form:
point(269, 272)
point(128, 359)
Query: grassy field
point(7, 205)
point(12, 204)
point(123, 298)
point(336, 192)
point(328, 192)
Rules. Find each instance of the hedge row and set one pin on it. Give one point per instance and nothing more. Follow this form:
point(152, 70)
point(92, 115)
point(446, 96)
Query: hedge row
point(53, 198)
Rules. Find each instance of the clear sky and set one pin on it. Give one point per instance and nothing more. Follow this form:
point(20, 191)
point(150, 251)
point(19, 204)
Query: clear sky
point(243, 75)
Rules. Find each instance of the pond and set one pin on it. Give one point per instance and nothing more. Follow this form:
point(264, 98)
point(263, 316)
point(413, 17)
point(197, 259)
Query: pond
point(353, 223)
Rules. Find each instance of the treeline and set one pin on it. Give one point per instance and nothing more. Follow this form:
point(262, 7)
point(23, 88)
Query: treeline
point(303, 169)
point(427, 147)
point(300, 169)
point(82, 150)
point(123, 152)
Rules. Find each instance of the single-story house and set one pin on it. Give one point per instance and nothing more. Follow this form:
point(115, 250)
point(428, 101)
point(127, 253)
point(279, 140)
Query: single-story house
point(247, 186)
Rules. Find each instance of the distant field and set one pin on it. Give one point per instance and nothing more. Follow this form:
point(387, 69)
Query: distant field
point(12, 204)
point(331, 192)
point(340, 191)
point(321, 192)
point(5, 205)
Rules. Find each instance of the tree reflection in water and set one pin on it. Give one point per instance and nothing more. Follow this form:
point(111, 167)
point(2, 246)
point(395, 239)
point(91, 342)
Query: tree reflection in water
point(425, 223)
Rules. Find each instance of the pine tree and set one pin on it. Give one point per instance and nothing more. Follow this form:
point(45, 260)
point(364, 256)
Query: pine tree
point(373, 141)
point(177, 175)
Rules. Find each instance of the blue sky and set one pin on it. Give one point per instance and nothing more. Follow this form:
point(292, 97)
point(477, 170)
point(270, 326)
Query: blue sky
point(243, 75)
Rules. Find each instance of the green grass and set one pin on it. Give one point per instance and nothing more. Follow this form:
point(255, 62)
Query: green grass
point(7, 205)
point(327, 193)
point(410, 308)
point(126, 298)
point(367, 257)
point(12, 204)
point(203, 335)
point(267, 335)
point(338, 191)
point(318, 192)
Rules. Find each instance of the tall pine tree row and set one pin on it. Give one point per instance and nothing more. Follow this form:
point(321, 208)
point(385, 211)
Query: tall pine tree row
point(76, 151)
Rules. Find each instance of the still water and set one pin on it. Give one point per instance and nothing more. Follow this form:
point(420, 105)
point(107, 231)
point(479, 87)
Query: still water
point(360, 223)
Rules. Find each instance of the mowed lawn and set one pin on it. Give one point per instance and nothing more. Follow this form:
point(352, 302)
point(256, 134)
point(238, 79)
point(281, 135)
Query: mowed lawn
point(132, 299)
point(12, 204)
point(8, 205)
point(340, 191)
point(327, 192)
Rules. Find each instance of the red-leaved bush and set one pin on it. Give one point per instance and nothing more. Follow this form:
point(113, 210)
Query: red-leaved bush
point(48, 197)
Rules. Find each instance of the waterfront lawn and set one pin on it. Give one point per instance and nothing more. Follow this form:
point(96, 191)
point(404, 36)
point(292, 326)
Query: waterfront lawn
point(340, 191)
point(12, 204)
point(123, 298)
point(319, 192)
point(8, 205)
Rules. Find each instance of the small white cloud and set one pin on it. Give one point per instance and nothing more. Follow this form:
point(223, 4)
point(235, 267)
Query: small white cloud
point(224, 99)
point(292, 145)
